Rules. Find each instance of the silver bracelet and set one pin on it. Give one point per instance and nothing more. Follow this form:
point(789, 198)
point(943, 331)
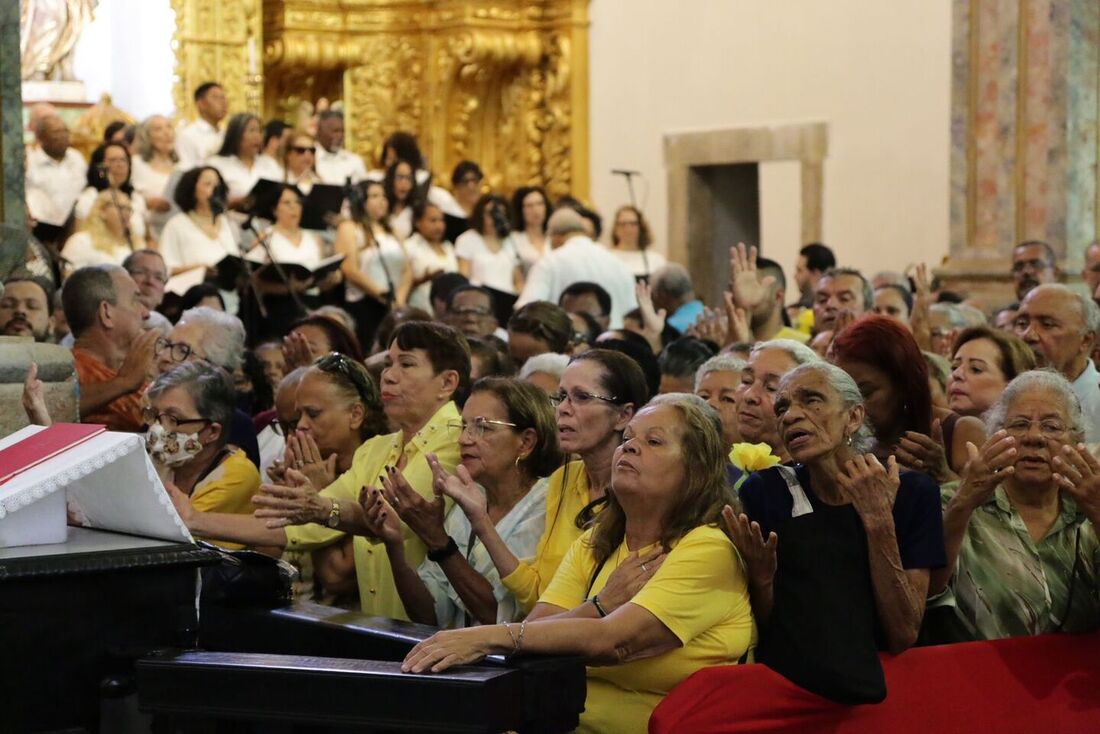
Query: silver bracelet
point(515, 643)
point(522, 630)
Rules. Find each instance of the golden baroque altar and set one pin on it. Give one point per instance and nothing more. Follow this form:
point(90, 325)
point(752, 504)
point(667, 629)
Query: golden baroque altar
point(501, 82)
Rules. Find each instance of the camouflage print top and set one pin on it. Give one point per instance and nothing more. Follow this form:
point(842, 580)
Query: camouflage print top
point(1007, 585)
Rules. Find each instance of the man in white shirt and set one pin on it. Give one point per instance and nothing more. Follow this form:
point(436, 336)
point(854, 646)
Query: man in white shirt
point(1061, 327)
point(56, 173)
point(201, 139)
point(577, 258)
point(334, 164)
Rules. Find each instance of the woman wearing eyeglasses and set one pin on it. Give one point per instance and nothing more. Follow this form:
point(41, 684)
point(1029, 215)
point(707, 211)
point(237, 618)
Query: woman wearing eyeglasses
point(400, 188)
point(599, 392)
point(189, 413)
point(103, 238)
point(298, 153)
point(509, 445)
point(1020, 527)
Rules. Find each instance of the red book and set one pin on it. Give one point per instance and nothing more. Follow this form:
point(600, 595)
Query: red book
point(43, 446)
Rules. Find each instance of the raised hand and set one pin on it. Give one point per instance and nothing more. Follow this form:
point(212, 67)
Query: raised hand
point(295, 503)
point(758, 554)
point(296, 351)
point(746, 285)
point(139, 360)
point(926, 454)
point(1077, 472)
point(711, 326)
point(461, 488)
point(986, 468)
point(922, 301)
point(653, 321)
point(870, 486)
point(424, 517)
point(629, 578)
point(34, 398)
point(737, 318)
point(382, 521)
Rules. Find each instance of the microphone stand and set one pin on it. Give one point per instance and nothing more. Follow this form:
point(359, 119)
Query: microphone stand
point(629, 176)
point(262, 241)
point(125, 220)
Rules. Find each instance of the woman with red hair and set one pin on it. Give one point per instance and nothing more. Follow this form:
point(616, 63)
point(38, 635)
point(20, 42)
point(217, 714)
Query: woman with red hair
point(883, 358)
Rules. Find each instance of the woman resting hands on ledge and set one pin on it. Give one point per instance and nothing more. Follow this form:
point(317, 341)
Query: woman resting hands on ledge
point(668, 486)
point(857, 542)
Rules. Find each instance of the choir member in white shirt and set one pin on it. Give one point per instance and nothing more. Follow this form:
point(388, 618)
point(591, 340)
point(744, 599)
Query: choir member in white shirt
point(429, 253)
point(530, 212)
point(287, 242)
point(56, 173)
point(102, 237)
point(109, 168)
point(152, 164)
point(200, 235)
point(487, 253)
point(334, 164)
point(201, 139)
point(297, 155)
point(239, 161)
point(376, 267)
point(400, 188)
point(631, 241)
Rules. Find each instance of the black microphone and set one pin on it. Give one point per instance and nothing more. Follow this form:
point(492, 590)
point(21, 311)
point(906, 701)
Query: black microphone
point(218, 204)
point(625, 172)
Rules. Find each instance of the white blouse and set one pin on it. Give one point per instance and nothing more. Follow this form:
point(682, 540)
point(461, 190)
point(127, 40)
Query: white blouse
point(637, 262)
point(184, 244)
point(402, 224)
point(138, 216)
point(151, 183)
point(307, 252)
point(528, 253)
point(382, 264)
point(80, 251)
point(488, 268)
point(424, 259)
point(239, 178)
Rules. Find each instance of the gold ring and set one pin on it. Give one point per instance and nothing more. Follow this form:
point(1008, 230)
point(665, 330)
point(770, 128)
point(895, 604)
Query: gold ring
point(644, 567)
point(299, 463)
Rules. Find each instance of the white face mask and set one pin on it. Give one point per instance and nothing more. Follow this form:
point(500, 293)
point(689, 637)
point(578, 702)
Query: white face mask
point(171, 449)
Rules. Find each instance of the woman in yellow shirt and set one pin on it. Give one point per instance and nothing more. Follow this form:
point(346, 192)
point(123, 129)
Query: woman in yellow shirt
point(598, 394)
point(668, 488)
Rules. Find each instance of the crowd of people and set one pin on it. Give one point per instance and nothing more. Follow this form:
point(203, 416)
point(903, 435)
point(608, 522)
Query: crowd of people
point(483, 419)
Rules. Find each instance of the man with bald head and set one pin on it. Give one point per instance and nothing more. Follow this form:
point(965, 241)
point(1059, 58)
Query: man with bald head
point(576, 258)
point(56, 173)
point(1061, 327)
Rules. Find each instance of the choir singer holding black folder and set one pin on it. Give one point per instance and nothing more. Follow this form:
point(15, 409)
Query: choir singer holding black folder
point(287, 243)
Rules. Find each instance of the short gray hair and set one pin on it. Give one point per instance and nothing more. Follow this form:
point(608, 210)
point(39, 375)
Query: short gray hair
point(718, 363)
point(959, 315)
point(844, 386)
point(550, 363)
point(1090, 312)
point(1043, 380)
point(800, 353)
point(868, 292)
point(144, 145)
point(209, 387)
point(673, 279)
point(565, 221)
point(222, 337)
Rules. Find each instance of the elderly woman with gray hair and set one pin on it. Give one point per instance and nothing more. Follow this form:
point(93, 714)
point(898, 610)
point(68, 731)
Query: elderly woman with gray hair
point(838, 547)
point(1020, 526)
point(189, 411)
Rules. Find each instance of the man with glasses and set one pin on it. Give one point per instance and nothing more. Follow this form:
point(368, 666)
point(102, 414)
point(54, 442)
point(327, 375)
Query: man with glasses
point(470, 310)
point(206, 334)
point(148, 270)
point(112, 353)
point(1033, 264)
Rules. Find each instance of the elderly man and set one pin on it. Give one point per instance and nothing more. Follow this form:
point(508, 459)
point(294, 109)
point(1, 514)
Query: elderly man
point(1033, 264)
point(112, 353)
point(204, 333)
point(673, 291)
point(201, 139)
point(590, 298)
point(576, 258)
point(25, 309)
point(470, 310)
point(56, 173)
point(148, 270)
point(1061, 327)
point(334, 164)
point(841, 293)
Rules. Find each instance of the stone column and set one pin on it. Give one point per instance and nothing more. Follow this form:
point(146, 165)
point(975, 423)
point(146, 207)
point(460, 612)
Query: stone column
point(55, 370)
point(1024, 132)
point(11, 123)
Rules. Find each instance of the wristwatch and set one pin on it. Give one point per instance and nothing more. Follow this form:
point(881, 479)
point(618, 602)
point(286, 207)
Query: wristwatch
point(334, 515)
point(438, 555)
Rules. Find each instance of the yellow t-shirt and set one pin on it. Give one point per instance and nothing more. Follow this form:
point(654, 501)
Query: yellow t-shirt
point(700, 593)
point(377, 592)
point(797, 335)
point(566, 496)
point(228, 488)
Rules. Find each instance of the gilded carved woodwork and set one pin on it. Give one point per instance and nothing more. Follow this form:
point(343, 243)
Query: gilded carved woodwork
point(503, 83)
point(211, 42)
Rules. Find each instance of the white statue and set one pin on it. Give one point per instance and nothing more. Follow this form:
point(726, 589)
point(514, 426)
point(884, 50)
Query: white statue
point(48, 32)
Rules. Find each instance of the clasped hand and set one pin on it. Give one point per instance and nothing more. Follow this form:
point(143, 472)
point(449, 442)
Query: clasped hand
point(294, 503)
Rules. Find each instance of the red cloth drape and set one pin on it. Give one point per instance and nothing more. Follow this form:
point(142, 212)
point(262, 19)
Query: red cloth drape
point(1048, 684)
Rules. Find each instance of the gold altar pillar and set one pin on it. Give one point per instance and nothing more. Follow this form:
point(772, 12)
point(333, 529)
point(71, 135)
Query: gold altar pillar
point(504, 82)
